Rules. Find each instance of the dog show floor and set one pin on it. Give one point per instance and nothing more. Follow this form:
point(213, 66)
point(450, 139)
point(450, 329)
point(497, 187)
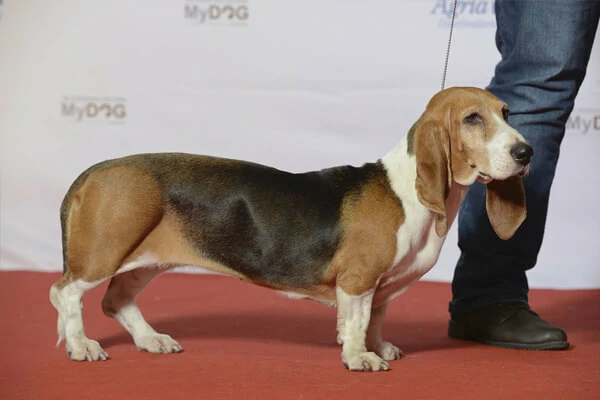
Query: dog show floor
point(245, 342)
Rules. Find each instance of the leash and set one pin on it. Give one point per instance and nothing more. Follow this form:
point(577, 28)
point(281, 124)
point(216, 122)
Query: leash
point(449, 42)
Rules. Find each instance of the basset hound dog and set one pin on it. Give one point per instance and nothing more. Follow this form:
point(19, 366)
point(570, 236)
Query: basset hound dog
point(353, 237)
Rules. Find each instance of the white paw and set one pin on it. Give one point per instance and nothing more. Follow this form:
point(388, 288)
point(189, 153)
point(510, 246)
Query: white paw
point(388, 351)
point(367, 361)
point(158, 343)
point(87, 350)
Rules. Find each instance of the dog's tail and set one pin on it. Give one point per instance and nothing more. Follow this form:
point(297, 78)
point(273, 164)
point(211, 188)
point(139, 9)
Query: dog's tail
point(64, 215)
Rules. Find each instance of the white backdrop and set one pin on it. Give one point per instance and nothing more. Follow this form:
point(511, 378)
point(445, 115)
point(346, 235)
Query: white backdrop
point(298, 85)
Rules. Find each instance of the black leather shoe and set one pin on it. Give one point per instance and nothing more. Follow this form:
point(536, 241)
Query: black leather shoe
point(513, 325)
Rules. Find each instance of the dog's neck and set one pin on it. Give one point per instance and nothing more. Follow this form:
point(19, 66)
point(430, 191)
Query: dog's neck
point(401, 168)
point(417, 243)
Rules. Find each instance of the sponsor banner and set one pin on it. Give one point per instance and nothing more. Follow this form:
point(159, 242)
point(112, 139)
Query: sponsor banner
point(296, 85)
point(217, 12)
point(470, 14)
point(100, 109)
point(584, 121)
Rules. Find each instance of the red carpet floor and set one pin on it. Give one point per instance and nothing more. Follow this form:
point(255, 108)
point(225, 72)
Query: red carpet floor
point(245, 342)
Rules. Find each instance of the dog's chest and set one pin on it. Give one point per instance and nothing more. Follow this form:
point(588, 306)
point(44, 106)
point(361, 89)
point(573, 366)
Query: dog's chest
point(418, 247)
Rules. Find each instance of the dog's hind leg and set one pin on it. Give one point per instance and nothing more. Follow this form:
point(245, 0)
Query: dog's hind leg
point(119, 303)
point(67, 299)
point(105, 215)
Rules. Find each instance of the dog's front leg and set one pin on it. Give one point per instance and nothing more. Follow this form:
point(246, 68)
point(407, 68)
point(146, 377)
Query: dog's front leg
point(375, 343)
point(354, 313)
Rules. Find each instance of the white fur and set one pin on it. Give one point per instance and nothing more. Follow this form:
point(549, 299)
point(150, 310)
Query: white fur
point(354, 313)
point(375, 343)
point(298, 296)
point(144, 260)
point(418, 245)
point(119, 301)
point(67, 302)
point(120, 297)
point(144, 336)
point(502, 165)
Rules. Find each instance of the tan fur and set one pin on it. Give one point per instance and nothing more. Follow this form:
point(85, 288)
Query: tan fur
point(110, 233)
point(106, 227)
point(369, 242)
point(434, 177)
point(167, 244)
point(505, 204)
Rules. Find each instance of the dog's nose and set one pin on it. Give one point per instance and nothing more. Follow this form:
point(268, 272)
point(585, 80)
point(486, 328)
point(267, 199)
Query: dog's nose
point(522, 153)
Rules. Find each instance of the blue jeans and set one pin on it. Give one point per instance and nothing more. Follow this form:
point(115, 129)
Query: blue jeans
point(545, 47)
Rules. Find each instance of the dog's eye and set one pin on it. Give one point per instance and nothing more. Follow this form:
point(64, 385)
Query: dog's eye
point(505, 113)
point(472, 119)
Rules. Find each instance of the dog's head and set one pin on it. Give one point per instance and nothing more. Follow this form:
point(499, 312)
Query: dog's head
point(463, 136)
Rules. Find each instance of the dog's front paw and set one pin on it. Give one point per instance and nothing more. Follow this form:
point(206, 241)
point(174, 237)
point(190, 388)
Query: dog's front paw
point(388, 351)
point(366, 361)
point(158, 343)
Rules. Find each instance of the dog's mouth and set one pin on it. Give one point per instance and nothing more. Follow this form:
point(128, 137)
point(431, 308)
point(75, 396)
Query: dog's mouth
point(484, 178)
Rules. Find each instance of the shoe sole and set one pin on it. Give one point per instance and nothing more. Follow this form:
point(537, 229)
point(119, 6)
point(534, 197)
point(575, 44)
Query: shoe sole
point(457, 331)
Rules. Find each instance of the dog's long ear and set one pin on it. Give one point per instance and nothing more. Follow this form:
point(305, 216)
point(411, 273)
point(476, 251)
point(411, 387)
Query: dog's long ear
point(434, 177)
point(505, 203)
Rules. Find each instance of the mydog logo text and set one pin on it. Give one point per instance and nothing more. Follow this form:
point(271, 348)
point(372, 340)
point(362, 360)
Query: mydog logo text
point(216, 12)
point(83, 108)
point(469, 13)
point(584, 121)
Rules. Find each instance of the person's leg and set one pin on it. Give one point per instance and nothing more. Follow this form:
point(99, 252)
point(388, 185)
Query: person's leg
point(545, 47)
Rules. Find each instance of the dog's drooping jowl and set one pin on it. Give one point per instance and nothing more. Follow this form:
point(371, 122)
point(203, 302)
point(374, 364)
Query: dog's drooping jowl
point(354, 237)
